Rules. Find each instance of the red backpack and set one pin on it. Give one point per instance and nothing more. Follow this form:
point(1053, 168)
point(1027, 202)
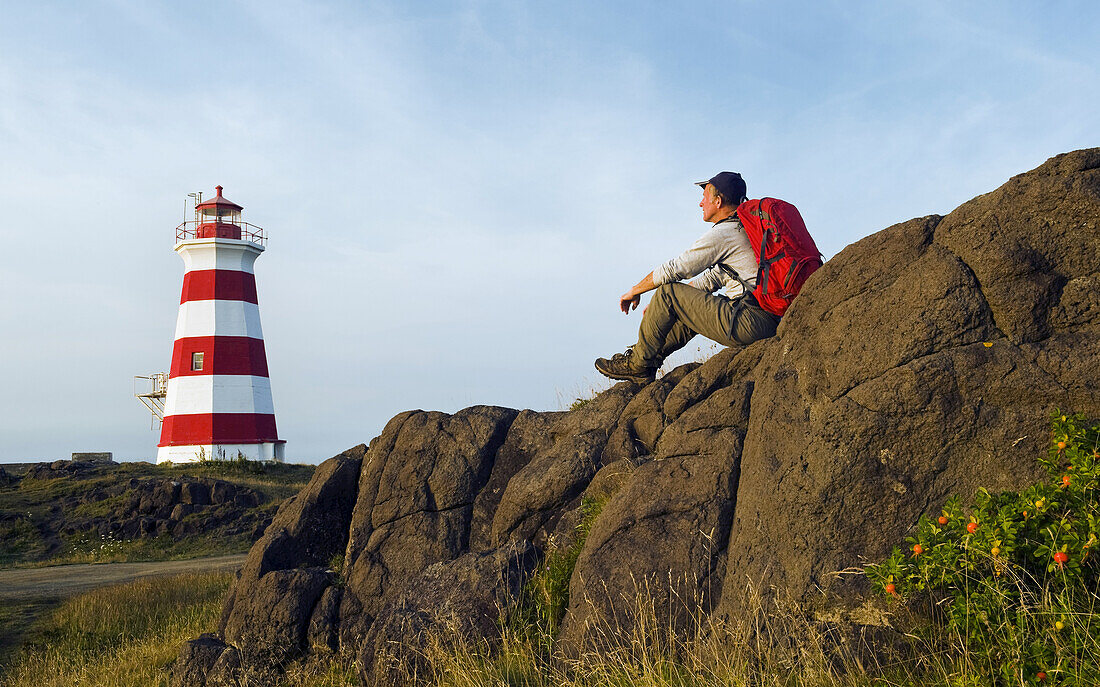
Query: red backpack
point(784, 249)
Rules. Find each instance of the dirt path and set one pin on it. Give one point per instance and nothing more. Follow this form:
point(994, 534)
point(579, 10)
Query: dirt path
point(67, 580)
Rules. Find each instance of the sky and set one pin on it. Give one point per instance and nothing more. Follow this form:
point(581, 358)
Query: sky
point(457, 193)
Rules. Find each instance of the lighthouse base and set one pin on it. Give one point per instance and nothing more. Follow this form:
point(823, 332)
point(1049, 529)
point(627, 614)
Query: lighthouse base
point(270, 450)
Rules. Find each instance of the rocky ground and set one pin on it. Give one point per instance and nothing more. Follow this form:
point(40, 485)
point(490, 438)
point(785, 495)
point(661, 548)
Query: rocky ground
point(919, 362)
point(72, 511)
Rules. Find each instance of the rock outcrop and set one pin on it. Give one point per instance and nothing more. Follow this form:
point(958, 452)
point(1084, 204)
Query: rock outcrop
point(100, 502)
point(919, 362)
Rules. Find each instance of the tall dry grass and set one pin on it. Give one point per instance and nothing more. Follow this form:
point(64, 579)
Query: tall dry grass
point(777, 645)
point(120, 636)
point(126, 635)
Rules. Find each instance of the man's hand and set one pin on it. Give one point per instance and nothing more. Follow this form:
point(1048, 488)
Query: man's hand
point(628, 301)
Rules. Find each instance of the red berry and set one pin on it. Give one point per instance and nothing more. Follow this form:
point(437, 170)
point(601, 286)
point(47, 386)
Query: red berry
point(1065, 480)
point(1040, 676)
point(972, 527)
point(943, 519)
point(1061, 557)
point(891, 589)
point(917, 549)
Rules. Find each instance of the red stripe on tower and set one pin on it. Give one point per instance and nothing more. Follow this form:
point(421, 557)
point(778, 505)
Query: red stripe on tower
point(223, 285)
point(221, 428)
point(219, 394)
point(220, 355)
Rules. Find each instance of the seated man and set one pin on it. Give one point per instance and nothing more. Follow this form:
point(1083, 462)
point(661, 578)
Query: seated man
point(679, 311)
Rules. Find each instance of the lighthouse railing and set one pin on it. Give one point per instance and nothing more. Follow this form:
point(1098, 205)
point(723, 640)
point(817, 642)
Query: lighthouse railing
point(249, 232)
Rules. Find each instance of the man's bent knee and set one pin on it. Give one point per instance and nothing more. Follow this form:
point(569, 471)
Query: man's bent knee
point(753, 324)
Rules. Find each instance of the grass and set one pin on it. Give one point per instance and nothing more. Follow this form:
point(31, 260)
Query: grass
point(649, 654)
point(20, 539)
point(126, 635)
point(118, 636)
point(324, 670)
point(777, 646)
point(278, 480)
point(16, 616)
point(545, 596)
point(92, 548)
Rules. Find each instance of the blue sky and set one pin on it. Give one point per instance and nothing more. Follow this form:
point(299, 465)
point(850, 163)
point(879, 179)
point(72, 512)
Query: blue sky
point(457, 193)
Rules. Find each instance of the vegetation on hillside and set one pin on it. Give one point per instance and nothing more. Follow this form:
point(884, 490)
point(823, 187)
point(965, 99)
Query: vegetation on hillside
point(72, 514)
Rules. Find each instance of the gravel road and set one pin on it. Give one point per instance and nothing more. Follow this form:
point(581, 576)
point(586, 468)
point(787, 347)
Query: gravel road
point(67, 580)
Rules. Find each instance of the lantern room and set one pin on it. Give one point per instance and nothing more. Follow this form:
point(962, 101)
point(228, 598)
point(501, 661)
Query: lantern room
point(219, 218)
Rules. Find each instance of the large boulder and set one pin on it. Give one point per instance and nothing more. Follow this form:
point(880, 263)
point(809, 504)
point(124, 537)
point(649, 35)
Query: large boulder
point(682, 500)
point(416, 500)
point(455, 601)
point(919, 362)
point(271, 627)
point(560, 469)
point(269, 606)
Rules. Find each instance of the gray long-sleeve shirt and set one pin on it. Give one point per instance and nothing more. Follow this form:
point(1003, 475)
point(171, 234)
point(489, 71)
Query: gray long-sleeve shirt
point(725, 243)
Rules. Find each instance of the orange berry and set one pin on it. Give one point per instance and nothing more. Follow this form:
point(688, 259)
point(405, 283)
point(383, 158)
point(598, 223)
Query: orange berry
point(972, 527)
point(1061, 557)
point(917, 549)
point(943, 520)
point(891, 589)
point(1061, 445)
point(1065, 480)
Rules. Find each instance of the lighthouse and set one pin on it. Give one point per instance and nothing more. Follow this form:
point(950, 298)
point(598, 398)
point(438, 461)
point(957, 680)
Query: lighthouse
point(218, 395)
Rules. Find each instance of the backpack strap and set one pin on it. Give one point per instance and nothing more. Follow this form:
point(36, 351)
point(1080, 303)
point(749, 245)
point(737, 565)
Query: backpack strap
point(732, 274)
point(766, 263)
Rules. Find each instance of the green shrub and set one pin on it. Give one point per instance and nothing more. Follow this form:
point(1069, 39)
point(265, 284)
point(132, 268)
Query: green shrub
point(579, 403)
point(545, 596)
point(1015, 576)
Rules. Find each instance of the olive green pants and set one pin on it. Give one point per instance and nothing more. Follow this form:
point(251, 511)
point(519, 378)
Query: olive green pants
point(678, 311)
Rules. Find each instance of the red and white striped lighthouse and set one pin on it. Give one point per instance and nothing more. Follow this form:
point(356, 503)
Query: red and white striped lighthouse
point(218, 402)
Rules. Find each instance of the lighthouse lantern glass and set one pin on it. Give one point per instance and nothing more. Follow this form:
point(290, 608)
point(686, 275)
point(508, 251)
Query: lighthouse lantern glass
point(223, 215)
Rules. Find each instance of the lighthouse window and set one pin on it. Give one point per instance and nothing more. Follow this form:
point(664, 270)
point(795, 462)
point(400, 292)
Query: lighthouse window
point(196, 361)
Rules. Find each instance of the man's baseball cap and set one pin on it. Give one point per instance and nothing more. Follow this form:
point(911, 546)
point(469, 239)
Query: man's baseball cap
point(729, 184)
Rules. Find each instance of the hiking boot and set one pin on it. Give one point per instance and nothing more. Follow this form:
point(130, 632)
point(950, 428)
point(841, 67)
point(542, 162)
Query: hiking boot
point(619, 366)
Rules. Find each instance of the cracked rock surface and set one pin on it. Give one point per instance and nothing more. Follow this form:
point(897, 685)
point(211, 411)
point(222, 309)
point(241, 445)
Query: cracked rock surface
point(921, 361)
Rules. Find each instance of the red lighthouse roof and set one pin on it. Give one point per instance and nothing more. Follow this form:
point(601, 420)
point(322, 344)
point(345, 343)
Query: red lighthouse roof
point(219, 202)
